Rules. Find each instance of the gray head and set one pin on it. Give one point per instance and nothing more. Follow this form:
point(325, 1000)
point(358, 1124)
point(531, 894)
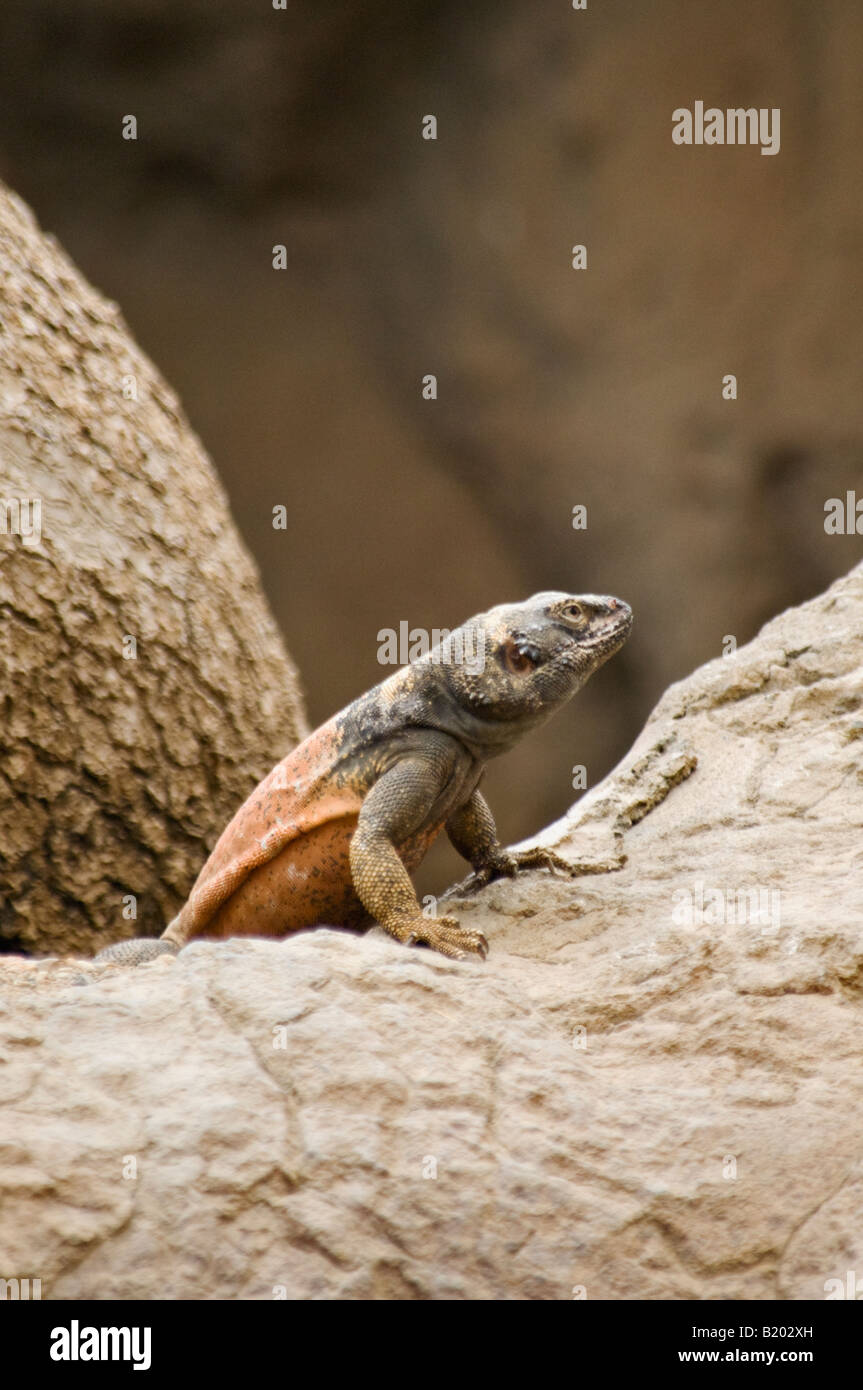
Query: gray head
point(510, 668)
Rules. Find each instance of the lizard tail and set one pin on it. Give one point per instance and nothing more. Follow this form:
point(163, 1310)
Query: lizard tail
point(137, 951)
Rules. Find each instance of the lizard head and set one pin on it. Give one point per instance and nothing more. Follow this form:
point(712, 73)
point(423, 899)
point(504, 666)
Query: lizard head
point(512, 667)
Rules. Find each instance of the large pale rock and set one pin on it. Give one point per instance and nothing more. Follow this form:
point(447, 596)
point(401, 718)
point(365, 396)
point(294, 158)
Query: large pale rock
point(616, 1101)
point(145, 688)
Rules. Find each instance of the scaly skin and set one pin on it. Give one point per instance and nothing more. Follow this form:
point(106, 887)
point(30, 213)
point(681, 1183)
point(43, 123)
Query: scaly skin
point(332, 835)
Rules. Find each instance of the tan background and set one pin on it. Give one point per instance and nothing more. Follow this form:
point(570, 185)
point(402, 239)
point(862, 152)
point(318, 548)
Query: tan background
point(406, 257)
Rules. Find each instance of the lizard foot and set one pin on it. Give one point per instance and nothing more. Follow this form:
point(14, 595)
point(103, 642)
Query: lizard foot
point(137, 951)
point(541, 858)
point(507, 865)
point(444, 934)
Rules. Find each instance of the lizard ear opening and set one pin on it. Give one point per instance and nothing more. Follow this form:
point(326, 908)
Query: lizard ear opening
point(518, 658)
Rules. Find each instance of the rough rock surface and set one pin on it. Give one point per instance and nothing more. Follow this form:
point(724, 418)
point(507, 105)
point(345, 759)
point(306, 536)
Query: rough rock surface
point(616, 1102)
point(115, 762)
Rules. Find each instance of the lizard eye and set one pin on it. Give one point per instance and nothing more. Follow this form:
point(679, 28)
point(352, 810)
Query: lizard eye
point(519, 657)
point(576, 611)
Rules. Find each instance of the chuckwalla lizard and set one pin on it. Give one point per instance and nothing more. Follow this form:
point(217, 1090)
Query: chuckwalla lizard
point(332, 834)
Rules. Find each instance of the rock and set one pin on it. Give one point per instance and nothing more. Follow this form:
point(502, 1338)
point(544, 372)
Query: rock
point(145, 686)
point(622, 1100)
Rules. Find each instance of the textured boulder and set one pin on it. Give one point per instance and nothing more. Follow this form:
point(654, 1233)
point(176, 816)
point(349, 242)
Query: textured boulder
point(145, 688)
point(652, 1088)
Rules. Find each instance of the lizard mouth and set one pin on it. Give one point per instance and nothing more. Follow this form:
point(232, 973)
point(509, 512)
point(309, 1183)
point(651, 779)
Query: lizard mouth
point(618, 623)
point(606, 622)
point(610, 639)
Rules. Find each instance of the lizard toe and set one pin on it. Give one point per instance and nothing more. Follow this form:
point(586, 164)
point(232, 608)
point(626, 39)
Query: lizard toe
point(540, 858)
point(475, 881)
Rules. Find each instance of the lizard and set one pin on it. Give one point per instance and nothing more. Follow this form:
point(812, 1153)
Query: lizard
point(332, 834)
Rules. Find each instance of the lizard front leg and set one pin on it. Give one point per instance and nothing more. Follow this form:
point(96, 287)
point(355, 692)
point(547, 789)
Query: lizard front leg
point(394, 809)
point(472, 832)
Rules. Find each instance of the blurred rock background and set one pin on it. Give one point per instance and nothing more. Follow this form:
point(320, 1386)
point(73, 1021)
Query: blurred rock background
point(405, 257)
